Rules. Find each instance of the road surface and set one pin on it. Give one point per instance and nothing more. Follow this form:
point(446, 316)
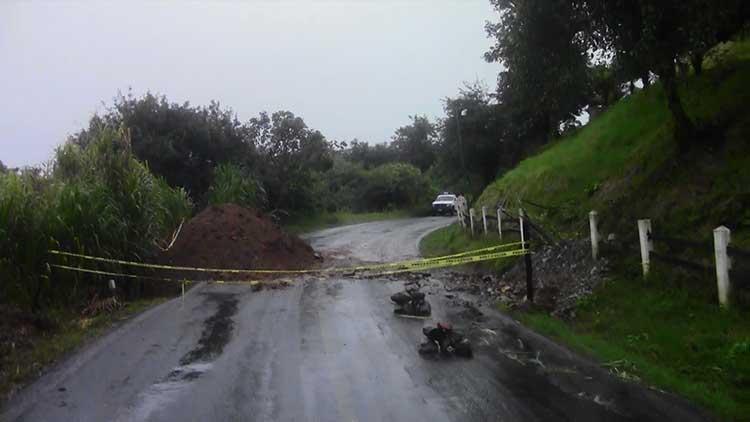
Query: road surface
point(329, 349)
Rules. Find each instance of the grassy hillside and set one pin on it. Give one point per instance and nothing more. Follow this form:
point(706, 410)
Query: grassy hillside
point(626, 165)
point(668, 330)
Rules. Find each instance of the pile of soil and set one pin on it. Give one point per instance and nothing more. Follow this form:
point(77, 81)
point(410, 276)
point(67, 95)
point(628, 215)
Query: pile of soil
point(233, 237)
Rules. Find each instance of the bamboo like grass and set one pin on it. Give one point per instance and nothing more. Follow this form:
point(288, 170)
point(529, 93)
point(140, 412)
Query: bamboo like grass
point(98, 199)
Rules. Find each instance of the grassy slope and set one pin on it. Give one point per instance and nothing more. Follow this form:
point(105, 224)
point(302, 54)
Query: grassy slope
point(624, 164)
point(667, 331)
point(453, 239)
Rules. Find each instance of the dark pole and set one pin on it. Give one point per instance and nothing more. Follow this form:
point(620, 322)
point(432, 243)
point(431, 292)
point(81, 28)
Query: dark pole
point(461, 146)
point(527, 260)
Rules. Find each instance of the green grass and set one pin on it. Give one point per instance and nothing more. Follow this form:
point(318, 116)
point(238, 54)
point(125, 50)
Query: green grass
point(23, 365)
point(341, 218)
point(668, 335)
point(453, 239)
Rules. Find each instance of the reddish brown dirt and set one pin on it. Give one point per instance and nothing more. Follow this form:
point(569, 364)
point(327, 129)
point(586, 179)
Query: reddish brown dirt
point(233, 237)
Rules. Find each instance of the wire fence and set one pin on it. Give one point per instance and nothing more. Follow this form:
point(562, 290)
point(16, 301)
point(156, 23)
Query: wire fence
point(729, 264)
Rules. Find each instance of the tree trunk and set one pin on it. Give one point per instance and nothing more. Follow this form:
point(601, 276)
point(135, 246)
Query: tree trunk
point(696, 59)
point(684, 128)
point(645, 79)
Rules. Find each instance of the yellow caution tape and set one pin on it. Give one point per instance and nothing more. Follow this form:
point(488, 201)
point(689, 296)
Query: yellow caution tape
point(406, 266)
point(408, 263)
point(437, 258)
point(147, 277)
point(460, 261)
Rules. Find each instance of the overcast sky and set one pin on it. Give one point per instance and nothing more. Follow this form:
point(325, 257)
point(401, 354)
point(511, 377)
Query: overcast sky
point(350, 68)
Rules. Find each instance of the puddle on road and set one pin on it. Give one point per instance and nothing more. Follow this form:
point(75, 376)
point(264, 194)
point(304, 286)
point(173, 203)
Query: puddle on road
point(217, 332)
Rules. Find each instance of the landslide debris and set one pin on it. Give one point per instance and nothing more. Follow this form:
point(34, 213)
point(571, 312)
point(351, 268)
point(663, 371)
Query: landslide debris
point(563, 275)
point(233, 237)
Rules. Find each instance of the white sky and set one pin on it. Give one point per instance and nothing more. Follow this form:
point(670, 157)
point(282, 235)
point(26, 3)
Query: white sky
point(350, 68)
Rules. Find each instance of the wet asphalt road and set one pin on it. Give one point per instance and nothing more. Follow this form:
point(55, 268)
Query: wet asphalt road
point(328, 350)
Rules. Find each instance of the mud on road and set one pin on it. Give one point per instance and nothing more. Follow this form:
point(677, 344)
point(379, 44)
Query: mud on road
point(330, 349)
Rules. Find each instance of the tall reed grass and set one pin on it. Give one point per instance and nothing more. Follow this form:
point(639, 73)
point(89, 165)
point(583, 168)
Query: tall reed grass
point(97, 200)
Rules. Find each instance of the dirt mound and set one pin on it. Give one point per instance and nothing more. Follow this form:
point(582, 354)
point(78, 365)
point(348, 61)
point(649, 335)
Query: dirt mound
point(230, 236)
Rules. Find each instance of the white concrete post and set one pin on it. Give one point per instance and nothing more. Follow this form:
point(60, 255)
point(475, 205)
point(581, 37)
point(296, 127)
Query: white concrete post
point(594, 234)
point(500, 222)
point(484, 219)
point(471, 219)
point(112, 285)
point(520, 225)
point(647, 245)
point(722, 237)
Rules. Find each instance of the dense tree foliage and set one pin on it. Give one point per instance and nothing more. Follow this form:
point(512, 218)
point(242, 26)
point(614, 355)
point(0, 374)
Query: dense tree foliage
point(370, 156)
point(539, 44)
point(394, 186)
point(560, 56)
point(180, 142)
point(415, 143)
point(656, 35)
point(292, 156)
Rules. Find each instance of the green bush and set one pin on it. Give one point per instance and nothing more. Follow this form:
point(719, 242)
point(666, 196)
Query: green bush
point(97, 200)
point(395, 185)
point(233, 184)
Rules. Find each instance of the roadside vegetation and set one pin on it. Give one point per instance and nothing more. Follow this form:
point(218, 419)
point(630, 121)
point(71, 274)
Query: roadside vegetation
point(662, 332)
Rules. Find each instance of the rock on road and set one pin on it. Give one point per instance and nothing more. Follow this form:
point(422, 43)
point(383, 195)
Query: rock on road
point(325, 349)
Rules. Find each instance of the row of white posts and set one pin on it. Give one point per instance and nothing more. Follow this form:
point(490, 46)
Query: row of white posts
point(461, 214)
point(723, 264)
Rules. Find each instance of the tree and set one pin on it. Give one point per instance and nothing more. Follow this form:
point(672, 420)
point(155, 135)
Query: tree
point(291, 156)
point(395, 185)
point(180, 142)
point(605, 87)
point(3, 168)
point(415, 143)
point(482, 133)
point(370, 156)
point(544, 55)
point(656, 34)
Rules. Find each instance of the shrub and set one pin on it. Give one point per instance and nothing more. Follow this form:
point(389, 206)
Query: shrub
point(395, 185)
point(234, 184)
point(98, 200)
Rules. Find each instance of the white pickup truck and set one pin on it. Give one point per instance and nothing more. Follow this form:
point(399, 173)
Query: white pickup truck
point(445, 203)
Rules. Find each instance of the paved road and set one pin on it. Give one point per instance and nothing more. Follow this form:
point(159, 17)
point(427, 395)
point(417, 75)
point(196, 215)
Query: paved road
point(328, 350)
